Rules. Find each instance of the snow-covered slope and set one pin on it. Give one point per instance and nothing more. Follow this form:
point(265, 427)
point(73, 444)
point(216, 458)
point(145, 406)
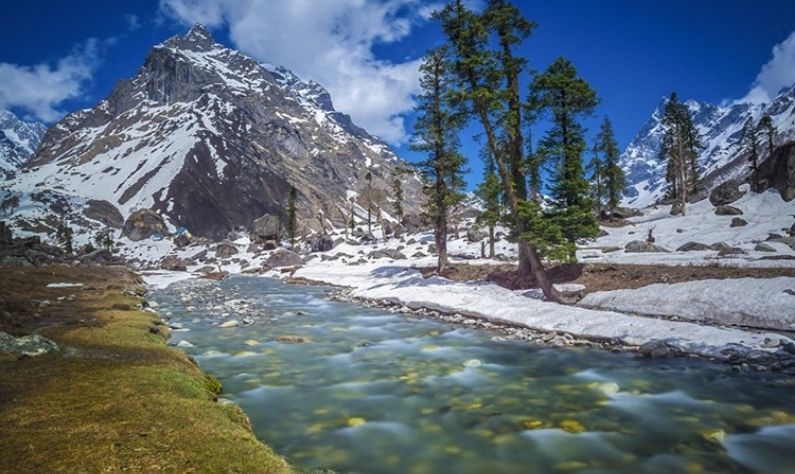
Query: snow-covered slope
point(720, 128)
point(213, 140)
point(18, 140)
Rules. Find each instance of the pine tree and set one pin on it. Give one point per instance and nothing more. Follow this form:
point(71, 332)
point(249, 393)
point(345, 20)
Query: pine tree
point(613, 175)
point(567, 98)
point(64, 235)
point(369, 201)
point(397, 192)
point(487, 89)
point(292, 222)
point(104, 239)
point(680, 147)
point(352, 220)
point(750, 145)
point(436, 133)
point(766, 126)
point(489, 192)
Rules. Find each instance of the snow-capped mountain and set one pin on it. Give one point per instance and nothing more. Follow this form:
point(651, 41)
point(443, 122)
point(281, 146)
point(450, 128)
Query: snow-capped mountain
point(213, 139)
point(18, 140)
point(720, 128)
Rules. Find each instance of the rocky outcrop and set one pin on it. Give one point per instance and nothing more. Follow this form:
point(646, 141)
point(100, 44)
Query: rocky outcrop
point(266, 228)
point(225, 250)
point(320, 243)
point(143, 224)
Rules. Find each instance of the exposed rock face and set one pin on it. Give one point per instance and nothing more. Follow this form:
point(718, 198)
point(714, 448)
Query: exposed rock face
point(778, 171)
point(212, 140)
point(104, 212)
point(640, 246)
point(283, 258)
point(143, 224)
point(728, 211)
point(726, 193)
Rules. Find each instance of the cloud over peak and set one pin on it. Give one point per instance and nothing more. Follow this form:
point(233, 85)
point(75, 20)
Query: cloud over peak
point(776, 74)
point(331, 42)
point(39, 89)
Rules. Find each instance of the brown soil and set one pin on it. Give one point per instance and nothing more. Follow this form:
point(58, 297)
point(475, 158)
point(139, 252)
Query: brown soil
point(604, 277)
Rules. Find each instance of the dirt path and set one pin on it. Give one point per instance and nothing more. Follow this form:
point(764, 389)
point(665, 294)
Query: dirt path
point(605, 277)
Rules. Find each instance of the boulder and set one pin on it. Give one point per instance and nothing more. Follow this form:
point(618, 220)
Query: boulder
point(173, 263)
point(727, 211)
point(625, 212)
point(778, 171)
point(266, 228)
point(320, 243)
point(432, 248)
point(143, 224)
point(105, 212)
point(283, 258)
point(367, 237)
point(31, 345)
point(763, 247)
point(677, 208)
point(719, 246)
point(225, 250)
point(412, 223)
point(200, 256)
point(693, 247)
point(182, 241)
point(726, 193)
point(476, 235)
point(656, 349)
point(788, 241)
point(270, 245)
point(738, 222)
point(731, 251)
point(468, 212)
point(640, 246)
point(101, 256)
point(792, 231)
point(387, 253)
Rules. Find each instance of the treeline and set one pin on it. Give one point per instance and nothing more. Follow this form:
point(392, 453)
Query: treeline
point(477, 76)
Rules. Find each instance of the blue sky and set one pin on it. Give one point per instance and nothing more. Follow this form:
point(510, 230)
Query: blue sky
point(57, 56)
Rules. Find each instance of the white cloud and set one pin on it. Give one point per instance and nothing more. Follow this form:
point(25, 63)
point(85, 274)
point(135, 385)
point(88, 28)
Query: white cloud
point(330, 41)
point(38, 90)
point(778, 73)
point(133, 22)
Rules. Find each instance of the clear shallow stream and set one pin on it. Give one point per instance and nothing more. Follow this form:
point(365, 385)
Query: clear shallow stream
point(375, 391)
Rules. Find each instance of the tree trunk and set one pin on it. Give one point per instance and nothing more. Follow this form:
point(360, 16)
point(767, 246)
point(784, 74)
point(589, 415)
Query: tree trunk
point(491, 241)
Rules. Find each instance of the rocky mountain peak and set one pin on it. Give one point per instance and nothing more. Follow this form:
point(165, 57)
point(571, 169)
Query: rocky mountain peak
point(18, 140)
point(198, 38)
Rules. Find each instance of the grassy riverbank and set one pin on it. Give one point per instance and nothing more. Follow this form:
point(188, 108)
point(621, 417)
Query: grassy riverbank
point(115, 396)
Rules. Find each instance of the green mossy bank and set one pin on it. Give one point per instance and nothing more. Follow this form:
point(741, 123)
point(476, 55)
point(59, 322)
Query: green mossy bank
point(114, 396)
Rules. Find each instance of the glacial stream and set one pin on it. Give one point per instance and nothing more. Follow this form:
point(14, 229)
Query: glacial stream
point(373, 391)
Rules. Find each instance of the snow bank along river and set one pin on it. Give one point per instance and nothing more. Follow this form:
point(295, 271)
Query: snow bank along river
point(373, 391)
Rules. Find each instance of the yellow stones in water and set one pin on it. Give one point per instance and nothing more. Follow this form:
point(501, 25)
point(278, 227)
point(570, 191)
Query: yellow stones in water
point(251, 342)
point(608, 388)
point(452, 450)
point(292, 339)
point(532, 424)
point(716, 435)
point(775, 417)
point(572, 426)
point(355, 421)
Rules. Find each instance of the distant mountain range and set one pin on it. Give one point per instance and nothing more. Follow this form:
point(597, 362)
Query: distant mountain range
point(18, 140)
point(212, 139)
point(720, 128)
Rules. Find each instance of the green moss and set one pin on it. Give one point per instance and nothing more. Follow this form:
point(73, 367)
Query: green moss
point(117, 398)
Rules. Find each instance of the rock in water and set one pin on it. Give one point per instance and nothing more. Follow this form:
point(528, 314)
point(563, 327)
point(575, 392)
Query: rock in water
point(726, 193)
point(640, 246)
point(284, 258)
point(727, 211)
point(143, 224)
